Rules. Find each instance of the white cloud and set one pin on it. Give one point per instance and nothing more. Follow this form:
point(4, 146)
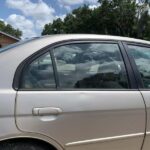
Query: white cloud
point(75, 2)
point(93, 6)
point(92, 1)
point(62, 17)
point(40, 11)
point(71, 2)
point(68, 3)
point(68, 8)
point(25, 25)
point(1, 19)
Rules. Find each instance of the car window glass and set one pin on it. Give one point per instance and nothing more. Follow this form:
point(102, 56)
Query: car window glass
point(39, 74)
point(141, 56)
point(90, 65)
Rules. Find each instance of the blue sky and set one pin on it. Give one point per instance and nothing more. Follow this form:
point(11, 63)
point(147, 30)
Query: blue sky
point(30, 16)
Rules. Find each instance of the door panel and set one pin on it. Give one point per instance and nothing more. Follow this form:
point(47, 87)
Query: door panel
point(140, 55)
point(84, 117)
point(94, 120)
point(146, 95)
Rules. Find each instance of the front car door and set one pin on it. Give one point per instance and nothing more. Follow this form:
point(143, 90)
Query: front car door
point(79, 94)
point(140, 58)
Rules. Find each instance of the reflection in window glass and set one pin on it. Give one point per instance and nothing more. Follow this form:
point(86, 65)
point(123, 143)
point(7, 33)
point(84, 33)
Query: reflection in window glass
point(141, 56)
point(39, 74)
point(90, 65)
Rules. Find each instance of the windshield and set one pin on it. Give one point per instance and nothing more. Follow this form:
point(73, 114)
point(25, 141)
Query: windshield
point(6, 48)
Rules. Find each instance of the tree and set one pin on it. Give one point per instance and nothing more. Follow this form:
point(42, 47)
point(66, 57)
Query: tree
point(115, 17)
point(10, 30)
point(143, 28)
point(47, 29)
point(2, 25)
point(70, 24)
point(55, 28)
point(79, 21)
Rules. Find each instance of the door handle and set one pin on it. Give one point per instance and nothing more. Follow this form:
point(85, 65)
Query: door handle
point(46, 111)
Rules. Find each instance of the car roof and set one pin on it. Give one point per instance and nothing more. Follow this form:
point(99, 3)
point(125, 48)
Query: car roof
point(46, 40)
point(95, 36)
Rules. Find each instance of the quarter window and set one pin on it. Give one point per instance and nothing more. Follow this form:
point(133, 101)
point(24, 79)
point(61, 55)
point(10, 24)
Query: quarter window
point(39, 74)
point(90, 65)
point(141, 55)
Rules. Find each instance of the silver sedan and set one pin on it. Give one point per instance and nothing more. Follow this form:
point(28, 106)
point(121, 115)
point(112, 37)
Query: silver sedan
point(75, 92)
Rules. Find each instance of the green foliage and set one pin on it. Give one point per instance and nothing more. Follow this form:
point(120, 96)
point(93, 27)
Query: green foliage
point(114, 17)
point(56, 28)
point(10, 30)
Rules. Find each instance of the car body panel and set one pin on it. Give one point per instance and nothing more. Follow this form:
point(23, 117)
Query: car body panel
point(86, 115)
point(117, 117)
point(146, 96)
point(140, 64)
point(7, 114)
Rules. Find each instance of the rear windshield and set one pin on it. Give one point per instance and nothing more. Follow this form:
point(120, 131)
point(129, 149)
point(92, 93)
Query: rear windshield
point(6, 48)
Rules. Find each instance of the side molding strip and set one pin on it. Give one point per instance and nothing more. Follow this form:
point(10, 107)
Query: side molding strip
point(148, 133)
point(105, 139)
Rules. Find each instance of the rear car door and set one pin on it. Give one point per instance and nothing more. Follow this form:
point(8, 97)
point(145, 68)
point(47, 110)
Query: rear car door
point(140, 58)
point(83, 95)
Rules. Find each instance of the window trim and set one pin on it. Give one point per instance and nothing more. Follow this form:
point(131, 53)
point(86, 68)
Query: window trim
point(21, 67)
point(136, 72)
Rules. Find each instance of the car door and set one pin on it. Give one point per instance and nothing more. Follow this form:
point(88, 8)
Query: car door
point(140, 57)
point(81, 94)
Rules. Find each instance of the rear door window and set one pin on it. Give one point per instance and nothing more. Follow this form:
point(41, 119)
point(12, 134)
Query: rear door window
point(90, 66)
